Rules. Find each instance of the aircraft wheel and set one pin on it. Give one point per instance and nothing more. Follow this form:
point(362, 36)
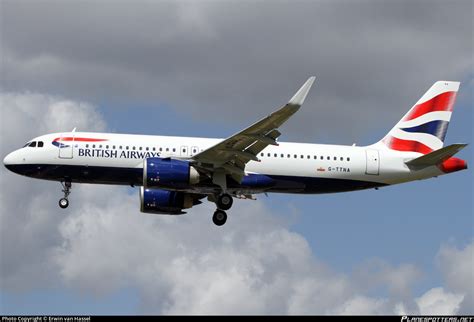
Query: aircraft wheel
point(63, 203)
point(224, 201)
point(219, 218)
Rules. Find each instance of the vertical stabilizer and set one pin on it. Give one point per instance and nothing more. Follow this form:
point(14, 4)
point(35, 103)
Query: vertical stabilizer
point(424, 127)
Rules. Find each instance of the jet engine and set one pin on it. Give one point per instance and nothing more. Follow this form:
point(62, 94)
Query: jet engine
point(159, 172)
point(164, 202)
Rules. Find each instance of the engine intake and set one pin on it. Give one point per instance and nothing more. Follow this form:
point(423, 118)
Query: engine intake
point(164, 202)
point(158, 172)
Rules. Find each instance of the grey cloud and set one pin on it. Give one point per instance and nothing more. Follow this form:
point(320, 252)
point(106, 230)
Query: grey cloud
point(235, 61)
point(399, 280)
point(28, 226)
point(185, 265)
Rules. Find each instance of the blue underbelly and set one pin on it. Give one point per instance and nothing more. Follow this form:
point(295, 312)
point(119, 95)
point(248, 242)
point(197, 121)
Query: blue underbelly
point(134, 176)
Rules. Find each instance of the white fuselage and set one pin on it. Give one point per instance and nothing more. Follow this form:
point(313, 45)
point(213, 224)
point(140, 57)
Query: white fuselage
point(88, 152)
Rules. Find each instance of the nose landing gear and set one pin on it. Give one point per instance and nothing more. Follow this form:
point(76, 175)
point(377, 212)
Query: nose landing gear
point(64, 202)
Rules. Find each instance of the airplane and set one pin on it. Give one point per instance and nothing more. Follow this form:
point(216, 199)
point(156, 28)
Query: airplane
point(176, 173)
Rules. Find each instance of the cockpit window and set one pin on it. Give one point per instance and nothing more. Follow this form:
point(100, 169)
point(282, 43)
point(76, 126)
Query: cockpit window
point(40, 144)
point(32, 144)
point(26, 144)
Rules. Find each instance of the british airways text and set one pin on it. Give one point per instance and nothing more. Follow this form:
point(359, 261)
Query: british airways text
point(99, 153)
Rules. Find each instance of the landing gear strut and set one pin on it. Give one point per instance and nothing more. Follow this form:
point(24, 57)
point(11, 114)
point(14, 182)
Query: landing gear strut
point(223, 202)
point(64, 202)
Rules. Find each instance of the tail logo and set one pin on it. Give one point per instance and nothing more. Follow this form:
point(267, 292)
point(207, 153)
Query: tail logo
point(423, 129)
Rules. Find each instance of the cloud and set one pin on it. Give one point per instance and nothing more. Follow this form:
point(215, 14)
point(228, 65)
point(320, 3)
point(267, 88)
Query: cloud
point(254, 264)
point(185, 265)
point(439, 302)
point(211, 59)
point(29, 217)
point(399, 281)
point(457, 266)
point(24, 115)
point(362, 305)
point(457, 296)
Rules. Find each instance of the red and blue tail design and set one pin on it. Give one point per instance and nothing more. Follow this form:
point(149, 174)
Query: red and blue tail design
point(424, 127)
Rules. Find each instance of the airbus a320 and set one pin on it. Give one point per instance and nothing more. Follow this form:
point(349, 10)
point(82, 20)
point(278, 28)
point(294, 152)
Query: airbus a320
point(177, 173)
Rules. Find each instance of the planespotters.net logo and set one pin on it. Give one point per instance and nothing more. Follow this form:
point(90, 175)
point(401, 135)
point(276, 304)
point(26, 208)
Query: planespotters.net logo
point(437, 318)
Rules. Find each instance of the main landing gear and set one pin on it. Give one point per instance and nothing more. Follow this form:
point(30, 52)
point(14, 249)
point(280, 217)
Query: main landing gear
point(64, 202)
point(223, 202)
point(219, 218)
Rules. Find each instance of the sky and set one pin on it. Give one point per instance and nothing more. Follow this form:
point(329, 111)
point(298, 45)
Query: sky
point(209, 69)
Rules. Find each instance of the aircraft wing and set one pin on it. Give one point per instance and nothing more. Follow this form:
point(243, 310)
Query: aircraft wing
point(232, 154)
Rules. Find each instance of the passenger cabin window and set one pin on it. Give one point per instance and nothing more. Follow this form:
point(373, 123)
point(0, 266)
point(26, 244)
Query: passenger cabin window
point(40, 144)
point(348, 159)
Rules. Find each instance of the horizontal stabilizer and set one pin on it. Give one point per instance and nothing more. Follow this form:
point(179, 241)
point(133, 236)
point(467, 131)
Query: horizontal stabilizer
point(436, 157)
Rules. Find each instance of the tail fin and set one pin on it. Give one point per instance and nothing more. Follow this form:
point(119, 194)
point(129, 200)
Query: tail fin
point(424, 127)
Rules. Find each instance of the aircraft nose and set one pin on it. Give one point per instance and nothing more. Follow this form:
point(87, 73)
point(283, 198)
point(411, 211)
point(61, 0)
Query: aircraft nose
point(9, 161)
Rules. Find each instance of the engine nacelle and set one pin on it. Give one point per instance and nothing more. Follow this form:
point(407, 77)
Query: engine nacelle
point(158, 172)
point(157, 201)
